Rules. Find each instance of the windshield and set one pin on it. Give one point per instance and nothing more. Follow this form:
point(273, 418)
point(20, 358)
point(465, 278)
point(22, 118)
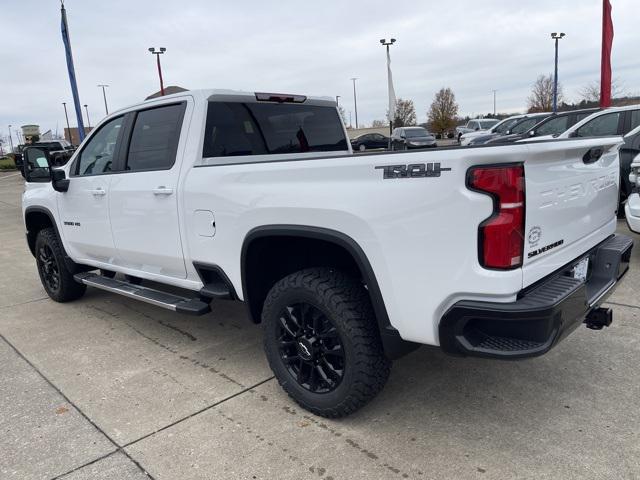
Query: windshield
point(416, 132)
point(506, 125)
point(525, 125)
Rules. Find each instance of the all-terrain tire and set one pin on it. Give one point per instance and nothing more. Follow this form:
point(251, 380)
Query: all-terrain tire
point(55, 275)
point(345, 303)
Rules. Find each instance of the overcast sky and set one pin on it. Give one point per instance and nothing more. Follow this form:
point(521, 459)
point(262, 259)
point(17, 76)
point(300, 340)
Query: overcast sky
point(308, 47)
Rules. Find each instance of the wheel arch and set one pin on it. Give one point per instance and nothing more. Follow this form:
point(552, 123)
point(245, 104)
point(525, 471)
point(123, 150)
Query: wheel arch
point(35, 219)
point(331, 242)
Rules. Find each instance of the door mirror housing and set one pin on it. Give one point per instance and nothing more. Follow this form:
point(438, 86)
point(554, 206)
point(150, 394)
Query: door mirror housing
point(532, 133)
point(573, 135)
point(36, 165)
point(59, 180)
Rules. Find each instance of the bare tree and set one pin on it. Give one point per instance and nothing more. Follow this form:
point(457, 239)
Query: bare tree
point(343, 114)
point(405, 114)
point(443, 111)
point(591, 91)
point(541, 97)
point(379, 124)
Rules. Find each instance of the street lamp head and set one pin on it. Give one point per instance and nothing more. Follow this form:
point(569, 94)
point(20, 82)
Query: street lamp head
point(162, 49)
point(393, 40)
point(557, 36)
point(152, 50)
point(382, 41)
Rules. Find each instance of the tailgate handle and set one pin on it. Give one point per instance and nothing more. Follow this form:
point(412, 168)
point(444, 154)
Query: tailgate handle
point(593, 155)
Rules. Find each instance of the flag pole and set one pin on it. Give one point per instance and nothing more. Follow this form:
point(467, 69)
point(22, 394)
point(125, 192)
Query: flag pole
point(72, 73)
point(605, 63)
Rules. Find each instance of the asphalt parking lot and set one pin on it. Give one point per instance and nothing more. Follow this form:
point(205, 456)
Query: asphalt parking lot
point(109, 388)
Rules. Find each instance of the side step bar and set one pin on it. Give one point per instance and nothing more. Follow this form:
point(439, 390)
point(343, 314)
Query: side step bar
point(192, 306)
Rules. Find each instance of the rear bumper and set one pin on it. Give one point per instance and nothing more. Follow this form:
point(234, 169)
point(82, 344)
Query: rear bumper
point(542, 315)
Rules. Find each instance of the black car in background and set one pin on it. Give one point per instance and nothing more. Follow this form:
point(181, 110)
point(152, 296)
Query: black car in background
point(369, 141)
point(409, 138)
point(558, 123)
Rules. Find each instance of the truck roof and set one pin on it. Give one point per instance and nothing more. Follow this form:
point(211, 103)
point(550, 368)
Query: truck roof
point(231, 95)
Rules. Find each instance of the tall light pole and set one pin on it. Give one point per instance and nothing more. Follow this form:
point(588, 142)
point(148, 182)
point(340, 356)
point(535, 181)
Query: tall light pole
point(337, 100)
point(494, 102)
point(355, 100)
point(104, 96)
point(87, 110)
point(157, 53)
point(556, 36)
point(384, 42)
point(66, 115)
point(10, 139)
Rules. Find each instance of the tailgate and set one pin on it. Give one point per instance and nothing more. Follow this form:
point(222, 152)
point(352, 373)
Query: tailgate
point(571, 201)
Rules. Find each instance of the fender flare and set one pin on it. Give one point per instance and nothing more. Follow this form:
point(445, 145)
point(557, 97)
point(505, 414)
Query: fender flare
point(393, 344)
point(71, 265)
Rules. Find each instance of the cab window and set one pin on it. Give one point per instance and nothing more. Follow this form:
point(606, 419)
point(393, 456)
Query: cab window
point(601, 126)
point(155, 136)
point(96, 157)
point(555, 126)
point(635, 119)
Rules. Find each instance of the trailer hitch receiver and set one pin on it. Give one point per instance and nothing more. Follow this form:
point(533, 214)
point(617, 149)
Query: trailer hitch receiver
point(599, 318)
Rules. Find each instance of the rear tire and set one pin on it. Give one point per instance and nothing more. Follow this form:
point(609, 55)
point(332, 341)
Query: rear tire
point(55, 275)
point(322, 342)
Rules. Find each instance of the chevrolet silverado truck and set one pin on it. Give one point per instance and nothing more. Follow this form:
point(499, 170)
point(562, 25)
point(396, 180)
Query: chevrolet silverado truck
point(348, 261)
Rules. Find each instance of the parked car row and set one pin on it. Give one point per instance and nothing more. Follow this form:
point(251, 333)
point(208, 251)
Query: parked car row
point(402, 138)
point(476, 125)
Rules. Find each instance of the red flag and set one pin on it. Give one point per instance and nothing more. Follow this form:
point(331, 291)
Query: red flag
point(605, 65)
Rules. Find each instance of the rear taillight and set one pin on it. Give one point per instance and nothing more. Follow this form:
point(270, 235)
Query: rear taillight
point(501, 236)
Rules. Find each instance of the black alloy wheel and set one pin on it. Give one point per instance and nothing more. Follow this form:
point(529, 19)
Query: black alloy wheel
point(55, 268)
point(49, 268)
point(310, 347)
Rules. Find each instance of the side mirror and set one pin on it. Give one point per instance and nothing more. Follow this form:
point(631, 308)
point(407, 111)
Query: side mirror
point(573, 135)
point(403, 137)
point(36, 165)
point(532, 133)
point(59, 181)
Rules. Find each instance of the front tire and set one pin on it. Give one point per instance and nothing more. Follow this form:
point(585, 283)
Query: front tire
point(55, 275)
point(322, 342)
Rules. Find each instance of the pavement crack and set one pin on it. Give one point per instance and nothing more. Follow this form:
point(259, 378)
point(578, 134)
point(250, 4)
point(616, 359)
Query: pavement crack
point(623, 305)
point(70, 402)
point(24, 303)
point(202, 410)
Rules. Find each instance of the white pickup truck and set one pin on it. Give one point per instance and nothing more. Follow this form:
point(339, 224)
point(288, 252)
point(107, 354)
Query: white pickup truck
point(348, 261)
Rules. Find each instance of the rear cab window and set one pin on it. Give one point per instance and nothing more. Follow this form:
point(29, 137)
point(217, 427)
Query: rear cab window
point(249, 128)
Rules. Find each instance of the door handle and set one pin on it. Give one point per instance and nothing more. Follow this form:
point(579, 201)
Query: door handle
point(593, 155)
point(162, 190)
point(98, 191)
